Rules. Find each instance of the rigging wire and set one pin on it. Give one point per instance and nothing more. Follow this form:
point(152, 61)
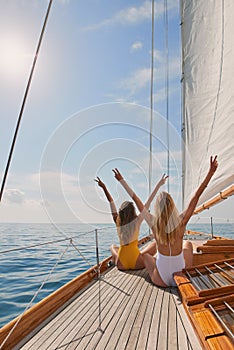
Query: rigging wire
point(151, 96)
point(35, 295)
point(23, 106)
point(167, 90)
point(182, 107)
point(46, 243)
point(67, 238)
point(24, 100)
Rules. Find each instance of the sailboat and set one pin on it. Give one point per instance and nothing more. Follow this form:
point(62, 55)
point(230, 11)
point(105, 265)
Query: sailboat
point(107, 308)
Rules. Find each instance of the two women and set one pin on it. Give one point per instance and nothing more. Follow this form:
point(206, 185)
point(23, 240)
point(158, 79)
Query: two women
point(128, 223)
point(168, 227)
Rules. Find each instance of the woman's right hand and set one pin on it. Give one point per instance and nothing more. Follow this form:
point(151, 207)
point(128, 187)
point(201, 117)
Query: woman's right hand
point(118, 176)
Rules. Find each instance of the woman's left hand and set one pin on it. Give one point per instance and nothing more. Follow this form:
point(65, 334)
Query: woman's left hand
point(163, 180)
point(100, 183)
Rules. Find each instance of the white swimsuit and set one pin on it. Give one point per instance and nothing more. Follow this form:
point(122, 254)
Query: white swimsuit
point(167, 265)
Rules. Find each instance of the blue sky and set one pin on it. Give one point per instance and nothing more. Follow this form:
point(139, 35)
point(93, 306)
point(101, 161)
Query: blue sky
point(87, 110)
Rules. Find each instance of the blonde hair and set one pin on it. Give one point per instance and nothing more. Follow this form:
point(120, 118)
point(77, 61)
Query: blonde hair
point(126, 222)
point(167, 219)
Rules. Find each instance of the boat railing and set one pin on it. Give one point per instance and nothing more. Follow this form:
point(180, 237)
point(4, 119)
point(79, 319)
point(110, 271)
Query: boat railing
point(64, 243)
point(92, 256)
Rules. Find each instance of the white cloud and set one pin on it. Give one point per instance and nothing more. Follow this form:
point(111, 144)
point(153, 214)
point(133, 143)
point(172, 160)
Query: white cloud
point(160, 94)
point(15, 196)
point(21, 188)
point(140, 79)
point(130, 15)
point(136, 46)
point(85, 201)
point(158, 55)
point(135, 15)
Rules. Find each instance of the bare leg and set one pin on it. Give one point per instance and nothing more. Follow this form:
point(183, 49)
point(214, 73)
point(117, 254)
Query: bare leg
point(188, 253)
point(150, 265)
point(114, 251)
point(150, 249)
point(140, 263)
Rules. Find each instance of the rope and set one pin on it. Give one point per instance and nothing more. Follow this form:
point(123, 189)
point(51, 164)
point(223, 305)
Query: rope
point(35, 295)
point(24, 101)
point(167, 90)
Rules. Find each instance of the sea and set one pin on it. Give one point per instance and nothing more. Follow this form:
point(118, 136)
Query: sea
point(37, 259)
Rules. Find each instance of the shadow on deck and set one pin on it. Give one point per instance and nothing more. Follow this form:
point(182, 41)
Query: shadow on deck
point(122, 310)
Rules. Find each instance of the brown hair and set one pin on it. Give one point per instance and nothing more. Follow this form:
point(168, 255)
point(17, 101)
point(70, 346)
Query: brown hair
point(125, 221)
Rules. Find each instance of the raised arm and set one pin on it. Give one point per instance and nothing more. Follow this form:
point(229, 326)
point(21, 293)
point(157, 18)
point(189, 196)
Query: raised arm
point(109, 198)
point(155, 190)
point(193, 202)
point(141, 207)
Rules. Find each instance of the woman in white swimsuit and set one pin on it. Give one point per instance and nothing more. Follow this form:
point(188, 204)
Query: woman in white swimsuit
point(168, 227)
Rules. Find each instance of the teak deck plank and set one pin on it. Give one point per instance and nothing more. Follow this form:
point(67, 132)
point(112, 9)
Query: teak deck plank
point(144, 334)
point(87, 325)
point(134, 315)
point(155, 323)
point(117, 312)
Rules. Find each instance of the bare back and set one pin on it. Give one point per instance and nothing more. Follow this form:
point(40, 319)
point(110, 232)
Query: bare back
point(171, 249)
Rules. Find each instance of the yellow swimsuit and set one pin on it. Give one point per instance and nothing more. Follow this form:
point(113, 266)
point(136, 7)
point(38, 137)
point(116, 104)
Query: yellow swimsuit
point(128, 255)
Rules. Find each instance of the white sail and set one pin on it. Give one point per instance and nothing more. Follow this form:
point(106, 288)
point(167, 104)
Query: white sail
point(208, 92)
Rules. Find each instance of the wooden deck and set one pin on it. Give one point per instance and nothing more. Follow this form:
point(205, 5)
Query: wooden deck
point(122, 310)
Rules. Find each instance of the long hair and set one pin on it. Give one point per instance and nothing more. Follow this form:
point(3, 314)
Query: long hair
point(167, 219)
point(126, 221)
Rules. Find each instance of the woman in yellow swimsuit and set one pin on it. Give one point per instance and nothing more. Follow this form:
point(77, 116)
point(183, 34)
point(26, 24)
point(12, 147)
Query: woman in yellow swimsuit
point(128, 255)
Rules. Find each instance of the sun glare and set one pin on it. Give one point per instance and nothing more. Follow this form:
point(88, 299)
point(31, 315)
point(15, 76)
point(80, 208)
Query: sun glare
point(15, 58)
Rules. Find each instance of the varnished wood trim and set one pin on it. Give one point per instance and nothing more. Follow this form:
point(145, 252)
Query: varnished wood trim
point(221, 196)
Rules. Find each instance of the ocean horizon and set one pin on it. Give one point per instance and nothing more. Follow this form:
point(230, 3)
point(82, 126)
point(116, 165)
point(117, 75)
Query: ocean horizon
point(34, 256)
